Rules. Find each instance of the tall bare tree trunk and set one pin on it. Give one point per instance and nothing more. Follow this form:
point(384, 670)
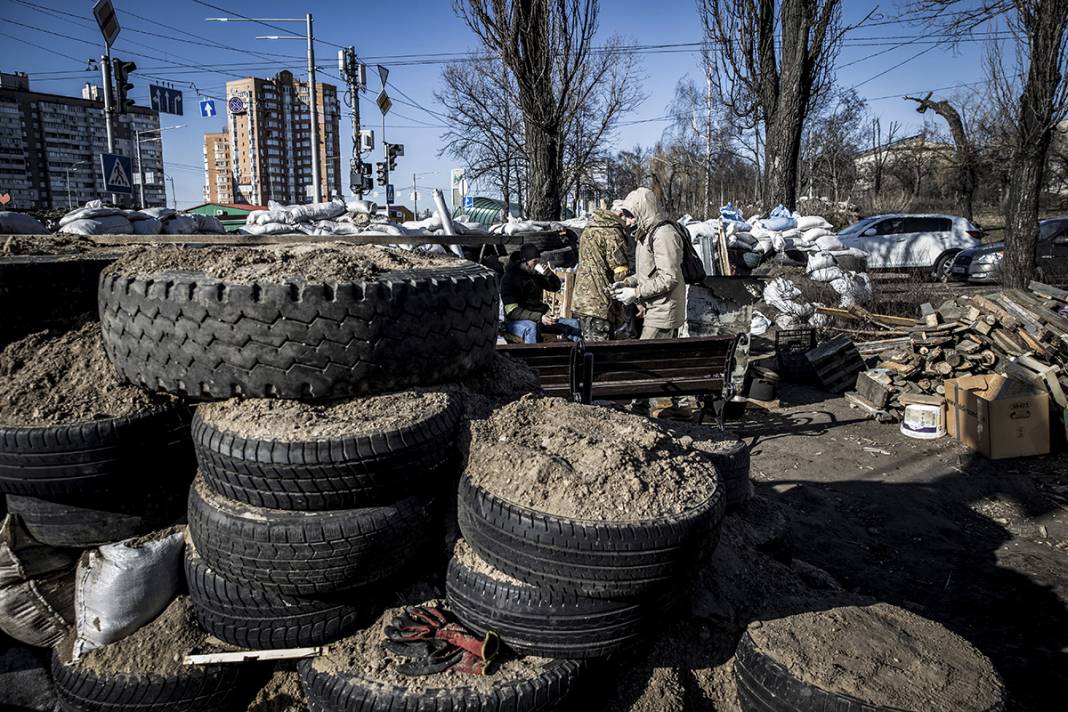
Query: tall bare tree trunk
point(964, 184)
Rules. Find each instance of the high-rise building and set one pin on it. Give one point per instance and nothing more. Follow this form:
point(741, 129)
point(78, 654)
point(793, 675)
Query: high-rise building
point(46, 138)
point(270, 142)
point(218, 176)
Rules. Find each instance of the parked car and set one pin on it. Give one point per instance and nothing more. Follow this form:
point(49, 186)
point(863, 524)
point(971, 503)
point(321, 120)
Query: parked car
point(982, 265)
point(911, 242)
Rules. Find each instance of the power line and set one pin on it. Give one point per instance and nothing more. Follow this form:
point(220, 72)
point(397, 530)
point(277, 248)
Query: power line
point(899, 64)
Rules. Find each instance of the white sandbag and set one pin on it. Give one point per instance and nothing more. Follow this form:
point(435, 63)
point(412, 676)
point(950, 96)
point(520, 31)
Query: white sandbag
point(464, 227)
point(827, 274)
point(316, 211)
point(36, 587)
point(515, 225)
point(426, 225)
point(179, 225)
point(12, 223)
point(764, 246)
point(759, 324)
point(779, 290)
point(778, 242)
point(852, 288)
point(787, 322)
point(813, 234)
point(697, 230)
point(828, 243)
point(808, 222)
point(367, 207)
point(818, 261)
point(148, 226)
point(88, 213)
point(818, 320)
point(271, 228)
point(759, 232)
point(159, 213)
point(120, 587)
point(790, 233)
point(104, 225)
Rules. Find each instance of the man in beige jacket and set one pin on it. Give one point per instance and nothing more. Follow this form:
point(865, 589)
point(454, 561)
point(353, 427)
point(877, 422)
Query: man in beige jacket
point(657, 285)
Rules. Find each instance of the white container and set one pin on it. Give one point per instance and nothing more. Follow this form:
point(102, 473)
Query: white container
point(923, 422)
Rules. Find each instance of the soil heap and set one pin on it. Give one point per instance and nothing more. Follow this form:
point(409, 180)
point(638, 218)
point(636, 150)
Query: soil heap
point(55, 245)
point(319, 262)
point(882, 655)
point(291, 420)
point(56, 378)
point(467, 556)
point(585, 462)
point(362, 654)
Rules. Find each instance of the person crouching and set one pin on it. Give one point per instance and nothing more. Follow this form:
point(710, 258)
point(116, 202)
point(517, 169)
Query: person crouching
point(526, 277)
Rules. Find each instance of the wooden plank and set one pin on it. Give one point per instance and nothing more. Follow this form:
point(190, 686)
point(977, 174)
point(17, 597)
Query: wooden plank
point(244, 655)
point(660, 374)
point(644, 388)
point(1047, 291)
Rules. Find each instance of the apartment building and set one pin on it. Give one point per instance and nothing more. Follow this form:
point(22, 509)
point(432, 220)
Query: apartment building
point(270, 142)
point(218, 175)
point(47, 140)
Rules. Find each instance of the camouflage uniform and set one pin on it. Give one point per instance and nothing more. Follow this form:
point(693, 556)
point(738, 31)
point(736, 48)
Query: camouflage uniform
point(602, 260)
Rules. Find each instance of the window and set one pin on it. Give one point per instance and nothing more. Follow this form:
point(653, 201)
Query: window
point(890, 226)
point(927, 225)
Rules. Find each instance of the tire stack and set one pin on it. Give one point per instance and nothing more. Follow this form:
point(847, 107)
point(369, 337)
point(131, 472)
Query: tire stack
point(291, 528)
point(567, 586)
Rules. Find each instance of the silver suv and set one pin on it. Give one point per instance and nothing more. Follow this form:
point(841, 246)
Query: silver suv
point(901, 241)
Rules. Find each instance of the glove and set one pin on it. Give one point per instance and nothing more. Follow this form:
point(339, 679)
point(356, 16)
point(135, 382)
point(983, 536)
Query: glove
point(541, 268)
point(626, 295)
point(484, 648)
point(438, 659)
point(416, 623)
point(616, 286)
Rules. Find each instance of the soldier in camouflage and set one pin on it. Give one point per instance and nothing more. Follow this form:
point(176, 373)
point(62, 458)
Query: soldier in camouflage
point(602, 260)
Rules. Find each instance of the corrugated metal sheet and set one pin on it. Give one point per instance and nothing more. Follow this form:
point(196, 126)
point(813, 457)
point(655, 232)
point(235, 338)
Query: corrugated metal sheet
point(488, 211)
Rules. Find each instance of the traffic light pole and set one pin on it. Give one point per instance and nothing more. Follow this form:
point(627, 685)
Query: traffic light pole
point(105, 71)
point(317, 192)
point(385, 156)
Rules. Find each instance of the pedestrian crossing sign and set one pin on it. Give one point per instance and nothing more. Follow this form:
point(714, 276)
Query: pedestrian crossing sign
point(117, 171)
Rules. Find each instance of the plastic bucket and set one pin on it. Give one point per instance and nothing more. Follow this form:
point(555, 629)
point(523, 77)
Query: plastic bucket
point(923, 422)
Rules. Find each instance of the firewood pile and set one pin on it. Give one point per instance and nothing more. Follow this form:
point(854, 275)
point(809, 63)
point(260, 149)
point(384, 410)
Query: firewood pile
point(1019, 333)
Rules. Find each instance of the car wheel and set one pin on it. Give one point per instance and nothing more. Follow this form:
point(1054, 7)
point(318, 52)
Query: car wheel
point(943, 265)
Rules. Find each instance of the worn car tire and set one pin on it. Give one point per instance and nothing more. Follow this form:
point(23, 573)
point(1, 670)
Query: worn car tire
point(304, 553)
point(91, 520)
point(43, 291)
point(196, 688)
point(764, 685)
point(89, 457)
point(536, 621)
point(196, 336)
point(348, 692)
point(597, 559)
point(733, 464)
point(358, 470)
point(251, 616)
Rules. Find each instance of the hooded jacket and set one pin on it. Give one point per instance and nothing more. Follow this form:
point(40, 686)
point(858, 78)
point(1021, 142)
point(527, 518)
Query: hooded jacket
point(522, 291)
point(658, 280)
point(602, 260)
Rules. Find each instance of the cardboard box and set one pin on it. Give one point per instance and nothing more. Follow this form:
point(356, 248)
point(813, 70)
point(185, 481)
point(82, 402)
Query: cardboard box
point(998, 416)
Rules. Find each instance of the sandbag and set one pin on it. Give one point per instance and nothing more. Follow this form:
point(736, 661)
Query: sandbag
point(790, 233)
point(179, 225)
point(765, 246)
point(207, 224)
point(120, 587)
point(114, 224)
point(852, 288)
point(827, 274)
point(12, 223)
point(92, 210)
point(810, 222)
point(812, 234)
point(368, 207)
point(829, 242)
point(759, 324)
point(36, 587)
point(818, 261)
point(780, 290)
point(146, 226)
point(271, 228)
point(729, 212)
point(159, 213)
point(315, 211)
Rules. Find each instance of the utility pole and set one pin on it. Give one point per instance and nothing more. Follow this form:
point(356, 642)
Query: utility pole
point(354, 75)
point(69, 169)
point(708, 144)
point(317, 192)
point(415, 196)
point(140, 169)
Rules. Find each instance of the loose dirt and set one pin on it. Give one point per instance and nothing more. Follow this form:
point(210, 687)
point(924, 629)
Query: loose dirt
point(705, 438)
point(157, 647)
point(320, 262)
point(282, 693)
point(55, 245)
point(56, 378)
point(883, 655)
point(362, 654)
point(291, 420)
point(585, 462)
point(503, 379)
point(467, 556)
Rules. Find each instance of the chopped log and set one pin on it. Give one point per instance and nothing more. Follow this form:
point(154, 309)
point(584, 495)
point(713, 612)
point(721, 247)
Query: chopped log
point(1006, 342)
point(942, 368)
point(953, 358)
point(1006, 319)
point(1049, 292)
point(983, 326)
point(905, 369)
point(967, 346)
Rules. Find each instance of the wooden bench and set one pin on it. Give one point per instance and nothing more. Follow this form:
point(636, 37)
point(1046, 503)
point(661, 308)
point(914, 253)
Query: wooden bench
point(613, 370)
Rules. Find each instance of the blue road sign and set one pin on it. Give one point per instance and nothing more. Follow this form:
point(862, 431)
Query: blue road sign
point(389, 194)
point(165, 100)
point(469, 201)
point(207, 108)
point(118, 173)
point(236, 105)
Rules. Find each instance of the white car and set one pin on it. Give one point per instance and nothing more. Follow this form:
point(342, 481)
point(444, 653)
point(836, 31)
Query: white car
point(928, 242)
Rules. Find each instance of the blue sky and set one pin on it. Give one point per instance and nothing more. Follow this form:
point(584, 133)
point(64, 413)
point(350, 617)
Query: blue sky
point(884, 61)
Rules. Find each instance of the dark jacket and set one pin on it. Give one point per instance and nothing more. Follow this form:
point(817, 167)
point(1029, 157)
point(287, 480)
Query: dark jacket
point(521, 292)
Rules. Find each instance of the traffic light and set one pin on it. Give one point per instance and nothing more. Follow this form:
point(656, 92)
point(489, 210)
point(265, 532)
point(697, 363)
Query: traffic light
point(383, 175)
point(122, 84)
point(392, 151)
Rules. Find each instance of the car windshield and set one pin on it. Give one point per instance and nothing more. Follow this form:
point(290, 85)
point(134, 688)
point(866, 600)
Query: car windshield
point(857, 228)
point(1049, 228)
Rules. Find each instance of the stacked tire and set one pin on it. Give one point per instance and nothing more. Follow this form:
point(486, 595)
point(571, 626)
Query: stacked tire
point(560, 586)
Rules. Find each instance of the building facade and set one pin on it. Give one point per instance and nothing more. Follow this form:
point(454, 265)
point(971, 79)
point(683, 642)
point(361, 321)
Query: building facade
point(47, 138)
point(270, 143)
point(218, 175)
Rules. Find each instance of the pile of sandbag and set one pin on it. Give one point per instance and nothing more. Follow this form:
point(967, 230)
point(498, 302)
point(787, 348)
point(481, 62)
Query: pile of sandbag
point(792, 310)
point(98, 219)
point(12, 223)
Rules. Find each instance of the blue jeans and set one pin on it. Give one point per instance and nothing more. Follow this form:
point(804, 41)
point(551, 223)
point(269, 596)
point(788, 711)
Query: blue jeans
point(530, 331)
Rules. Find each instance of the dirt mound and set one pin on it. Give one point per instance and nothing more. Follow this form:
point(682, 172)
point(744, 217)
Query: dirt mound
point(56, 378)
point(585, 462)
point(883, 655)
point(282, 693)
point(291, 420)
point(364, 655)
point(471, 560)
point(503, 379)
point(54, 245)
point(319, 262)
point(159, 646)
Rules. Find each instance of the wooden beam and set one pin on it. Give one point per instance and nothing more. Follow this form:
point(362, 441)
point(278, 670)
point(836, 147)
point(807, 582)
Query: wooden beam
point(257, 240)
point(244, 655)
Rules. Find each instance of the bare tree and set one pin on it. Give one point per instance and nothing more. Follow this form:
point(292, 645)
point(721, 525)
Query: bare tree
point(771, 59)
point(1042, 55)
point(965, 158)
point(547, 46)
point(880, 151)
point(831, 141)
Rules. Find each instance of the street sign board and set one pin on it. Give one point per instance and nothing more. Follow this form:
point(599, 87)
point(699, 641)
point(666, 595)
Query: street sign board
point(165, 100)
point(383, 73)
point(236, 105)
point(384, 102)
point(389, 193)
point(107, 20)
point(207, 108)
point(118, 173)
point(469, 201)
